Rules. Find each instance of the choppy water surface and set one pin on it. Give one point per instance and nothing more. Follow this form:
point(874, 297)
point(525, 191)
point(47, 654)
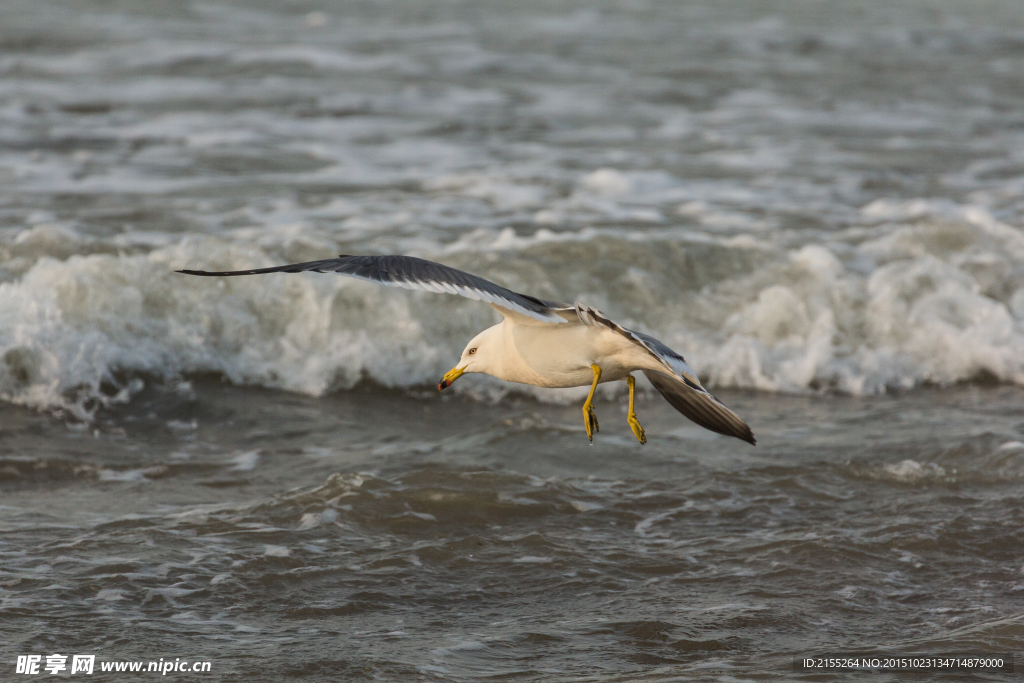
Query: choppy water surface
point(819, 204)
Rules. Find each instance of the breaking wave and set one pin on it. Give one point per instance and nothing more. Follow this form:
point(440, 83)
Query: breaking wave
point(912, 292)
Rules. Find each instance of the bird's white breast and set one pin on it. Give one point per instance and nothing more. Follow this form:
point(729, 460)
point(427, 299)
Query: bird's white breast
point(561, 355)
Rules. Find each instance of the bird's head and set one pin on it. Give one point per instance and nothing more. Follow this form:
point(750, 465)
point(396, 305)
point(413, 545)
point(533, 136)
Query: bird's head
point(478, 356)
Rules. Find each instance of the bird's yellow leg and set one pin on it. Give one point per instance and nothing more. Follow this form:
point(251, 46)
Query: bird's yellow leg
point(589, 418)
point(634, 424)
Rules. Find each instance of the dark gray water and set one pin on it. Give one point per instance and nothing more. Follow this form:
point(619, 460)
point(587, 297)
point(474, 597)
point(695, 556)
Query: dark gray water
point(819, 204)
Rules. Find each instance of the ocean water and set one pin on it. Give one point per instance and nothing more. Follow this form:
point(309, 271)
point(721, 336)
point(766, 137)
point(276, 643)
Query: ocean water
point(820, 204)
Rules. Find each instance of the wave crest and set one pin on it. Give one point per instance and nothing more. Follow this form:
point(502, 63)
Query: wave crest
point(914, 293)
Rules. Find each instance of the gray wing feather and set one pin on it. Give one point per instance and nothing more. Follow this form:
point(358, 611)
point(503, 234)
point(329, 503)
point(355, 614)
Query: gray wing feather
point(677, 383)
point(415, 273)
point(674, 363)
point(701, 407)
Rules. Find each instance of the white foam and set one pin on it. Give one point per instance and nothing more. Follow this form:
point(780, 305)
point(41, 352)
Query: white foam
point(932, 301)
point(71, 325)
point(245, 462)
point(122, 475)
point(501, 193)
point(610, 182)
point(913, 471)
point(915, 292)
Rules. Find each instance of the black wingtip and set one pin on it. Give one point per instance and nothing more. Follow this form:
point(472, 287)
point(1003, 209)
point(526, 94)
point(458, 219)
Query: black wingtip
point(195, 272)
point(745, 434)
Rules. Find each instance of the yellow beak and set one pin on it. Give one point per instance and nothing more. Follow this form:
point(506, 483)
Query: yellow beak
point(450, 377)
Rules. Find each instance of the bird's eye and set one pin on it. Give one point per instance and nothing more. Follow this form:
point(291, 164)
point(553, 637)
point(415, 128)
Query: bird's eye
point(472, 351)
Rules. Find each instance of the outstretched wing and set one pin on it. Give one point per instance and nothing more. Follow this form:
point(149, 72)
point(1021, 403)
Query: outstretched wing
point(700, 406)
point(416, 273)
point(683, 390)
point(678, 382)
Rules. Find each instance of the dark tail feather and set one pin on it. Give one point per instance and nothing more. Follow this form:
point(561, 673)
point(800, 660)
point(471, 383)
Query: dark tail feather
point(702, 408)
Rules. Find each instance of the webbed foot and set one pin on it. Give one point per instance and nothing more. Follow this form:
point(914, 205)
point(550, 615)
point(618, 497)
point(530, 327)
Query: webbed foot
point(638, 431)
point(590, 421)
point(634, 424)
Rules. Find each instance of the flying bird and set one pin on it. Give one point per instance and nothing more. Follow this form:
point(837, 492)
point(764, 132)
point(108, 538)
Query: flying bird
point(543, 343)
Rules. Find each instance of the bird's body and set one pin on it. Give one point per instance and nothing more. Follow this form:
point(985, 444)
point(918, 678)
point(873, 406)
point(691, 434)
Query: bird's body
point(559, 356)
point(542, 343)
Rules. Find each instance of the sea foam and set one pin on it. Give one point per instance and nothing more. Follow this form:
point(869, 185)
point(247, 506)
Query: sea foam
point(913, 293)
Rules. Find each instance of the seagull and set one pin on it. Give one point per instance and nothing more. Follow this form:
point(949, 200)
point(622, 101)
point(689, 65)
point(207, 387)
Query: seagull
point(542, 343)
